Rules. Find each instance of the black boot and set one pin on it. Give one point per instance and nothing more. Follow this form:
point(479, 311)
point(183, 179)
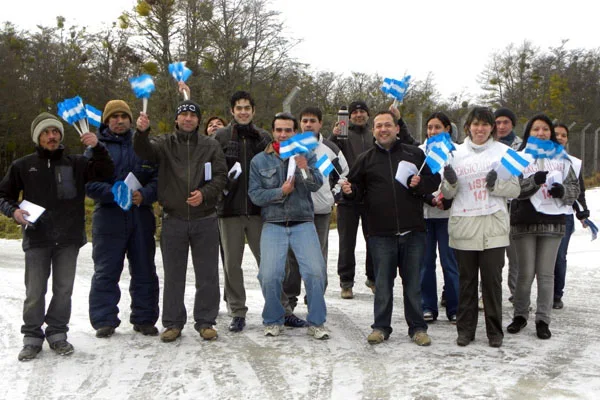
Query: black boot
point(516, 325)
point(543, 332)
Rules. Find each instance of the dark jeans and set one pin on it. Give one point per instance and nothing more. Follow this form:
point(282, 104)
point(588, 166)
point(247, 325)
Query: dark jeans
point(470, 263)
point(176, 238)
point(348, 217)
point(437, 236)
point(560, 268)
point(389, 253)
point(118, 233)
point(39, 262)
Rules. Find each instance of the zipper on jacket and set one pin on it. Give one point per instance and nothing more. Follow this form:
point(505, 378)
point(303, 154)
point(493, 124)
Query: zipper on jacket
point(189, 178)
point(394, 191)
point(244, 157)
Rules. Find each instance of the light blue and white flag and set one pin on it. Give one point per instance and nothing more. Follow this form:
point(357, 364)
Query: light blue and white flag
point(396, 89)
point(179, 71)
point(72, 110)
point(593, 228)
point(436, 158)
point(94, 115)
point(513, 162)
point(539, 148)
point(324, 165)
point(442, 140)
point(142, 86)
point(122, 194)
point(306, 139)
point(291, 148)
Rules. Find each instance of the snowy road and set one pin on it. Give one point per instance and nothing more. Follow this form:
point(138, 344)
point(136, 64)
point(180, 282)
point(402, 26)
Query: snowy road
point(293, 366)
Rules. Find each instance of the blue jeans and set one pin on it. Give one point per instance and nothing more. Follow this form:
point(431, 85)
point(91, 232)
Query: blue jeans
point(437, 234)
point(275, 241)
point(560, 267)
point(404, 252)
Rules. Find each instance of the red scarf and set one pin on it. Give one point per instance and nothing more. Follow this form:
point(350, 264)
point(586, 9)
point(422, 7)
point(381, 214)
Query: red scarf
point(276, 146)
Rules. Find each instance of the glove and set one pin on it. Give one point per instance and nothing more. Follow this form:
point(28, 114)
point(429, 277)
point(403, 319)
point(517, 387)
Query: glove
point(540, 177)
point(490, 179)
point(557, 191)
point(450, 175)
point(581, 215)
point(408, 182)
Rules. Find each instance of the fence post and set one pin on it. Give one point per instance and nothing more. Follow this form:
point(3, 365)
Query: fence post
point(596, 150)
point(287, 103)
point(582, 154)
point(419, 117)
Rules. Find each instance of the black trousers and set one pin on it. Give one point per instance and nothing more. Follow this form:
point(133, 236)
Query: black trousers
point(348, 217)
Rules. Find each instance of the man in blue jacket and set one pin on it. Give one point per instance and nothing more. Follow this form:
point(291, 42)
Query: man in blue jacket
point(118, 232)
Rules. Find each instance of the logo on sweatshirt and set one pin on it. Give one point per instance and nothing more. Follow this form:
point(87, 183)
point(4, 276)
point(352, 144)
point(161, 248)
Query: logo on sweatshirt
point(33, 169)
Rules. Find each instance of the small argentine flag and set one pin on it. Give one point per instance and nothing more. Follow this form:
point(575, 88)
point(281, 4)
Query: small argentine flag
point(539, 148)
point(142, 86)
point(394, 88)
point(306, 139)
point(324, 165)
point(94, 115)
point(513, 162)
point(436, 158)
point(291, 148)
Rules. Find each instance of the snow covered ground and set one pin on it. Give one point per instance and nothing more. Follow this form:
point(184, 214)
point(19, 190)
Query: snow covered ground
point(294, 366)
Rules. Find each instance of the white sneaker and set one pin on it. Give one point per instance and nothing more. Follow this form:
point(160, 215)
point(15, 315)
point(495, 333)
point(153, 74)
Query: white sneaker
point(318, 332)
point(272, 330)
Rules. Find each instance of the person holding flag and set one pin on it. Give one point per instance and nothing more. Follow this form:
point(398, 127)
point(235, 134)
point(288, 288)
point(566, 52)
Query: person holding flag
point(284, 194)
point(396, 227)
point(332, 164)
point(479, 223)
point(549, 187)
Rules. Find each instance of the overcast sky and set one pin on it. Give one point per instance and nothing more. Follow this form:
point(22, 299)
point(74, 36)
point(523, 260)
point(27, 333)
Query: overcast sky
point(451, 39)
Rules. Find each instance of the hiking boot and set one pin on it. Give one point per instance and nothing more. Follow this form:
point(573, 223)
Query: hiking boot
point(145, 329)
point(29, 352)
point(376, 337)
point(295, 322)
point(237, 324)
point(464, 340)
point(542, 330)
point(495, 341)
point(558, 304)
point(105, 331)
point(62, 347)
point(516, 325)
point(318, 332)
point(347, 293)
point(371, 285)
point(421, 338)
point(170, 334)
point(428, 316)
point(208, 333)
point(272, 330)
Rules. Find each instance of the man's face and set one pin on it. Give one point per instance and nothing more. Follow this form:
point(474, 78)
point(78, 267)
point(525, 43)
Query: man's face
point(359, 117)
point(283, 130)
point(50, 138)
point(385, 130)
point(119, 123)
point(561, 135)
point(504, 126)
point(310, 123)
point(187, 121)
point(242, 112)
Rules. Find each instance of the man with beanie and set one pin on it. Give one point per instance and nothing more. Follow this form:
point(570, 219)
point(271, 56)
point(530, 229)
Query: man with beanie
point(506, 120)
point(118, 233)
point(191, 176)
point(239, 218)
point(55, 181)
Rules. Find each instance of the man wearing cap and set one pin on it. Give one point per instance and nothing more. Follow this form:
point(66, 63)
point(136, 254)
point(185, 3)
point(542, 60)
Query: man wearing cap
point(118, 232)
point(55, 181)
point(506, 120)
point(191, 176)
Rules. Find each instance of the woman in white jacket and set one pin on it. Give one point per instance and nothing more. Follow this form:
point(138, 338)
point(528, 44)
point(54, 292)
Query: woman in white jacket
point(479, 224)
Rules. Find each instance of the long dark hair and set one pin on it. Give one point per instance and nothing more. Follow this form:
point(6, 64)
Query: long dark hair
point(538, 117)
point(443, 119)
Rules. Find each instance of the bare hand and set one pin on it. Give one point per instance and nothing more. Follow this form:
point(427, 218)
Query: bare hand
point(583, 223)
point(19, 216)
point(195, 199)
point(414, 181)
point(288, 186)
point(346, 187)
point(143, 123)
point(395, 111)
point(89, 139)
point(137, 198)
point(336, 129)
point(301, 162)
point(184, 89)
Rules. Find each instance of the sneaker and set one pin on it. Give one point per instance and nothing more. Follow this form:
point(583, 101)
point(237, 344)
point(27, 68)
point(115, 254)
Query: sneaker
point(170, 334)
point(237, 324)
point(62, 347)
point(516, 325)
point(428, 316)
point(464, 340)
point(376, 337)
point(29, 352)
point(371, 285)
point(558, 304)
point(144, 329)
point(318, 332)
point(542, 330)
point(347, 293)
point(105, 331)
point(272, 330)
point(421, 338)
point(208, 333)
point(480, 304)
point(452, 319)
point(495, 341)
point(295, 322)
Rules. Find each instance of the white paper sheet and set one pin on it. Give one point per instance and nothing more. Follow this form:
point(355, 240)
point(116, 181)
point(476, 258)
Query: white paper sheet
point(405, 169)
point(34, 210)
point(207, 171)
point(132, 182)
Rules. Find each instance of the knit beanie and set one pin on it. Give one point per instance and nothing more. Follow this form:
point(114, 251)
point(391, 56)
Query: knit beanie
point(115, 106)
point(188, 105)
point(506, 112)
point(44, 121)
point(357, 105)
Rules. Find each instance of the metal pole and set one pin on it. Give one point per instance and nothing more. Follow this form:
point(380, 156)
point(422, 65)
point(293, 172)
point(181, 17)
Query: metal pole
point(596, 150)
point(287, 103)
point(582, 154)
point(419, 115)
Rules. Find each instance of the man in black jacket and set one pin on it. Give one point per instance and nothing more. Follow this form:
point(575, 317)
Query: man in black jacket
point(396, 227)
point(55, 181)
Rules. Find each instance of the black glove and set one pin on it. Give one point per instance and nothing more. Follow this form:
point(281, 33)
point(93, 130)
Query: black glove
point(540, 177)
point(450, 175)
point(557, 191)
point(490, 179)
point(581, 215)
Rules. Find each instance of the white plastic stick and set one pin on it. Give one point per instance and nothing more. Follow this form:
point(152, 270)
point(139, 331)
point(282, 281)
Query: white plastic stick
point(144, 104)
point(77, 129)
point(395, 104)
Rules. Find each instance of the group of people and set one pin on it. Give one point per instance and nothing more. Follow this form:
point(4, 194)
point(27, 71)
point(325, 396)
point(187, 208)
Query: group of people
point(230, 185)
